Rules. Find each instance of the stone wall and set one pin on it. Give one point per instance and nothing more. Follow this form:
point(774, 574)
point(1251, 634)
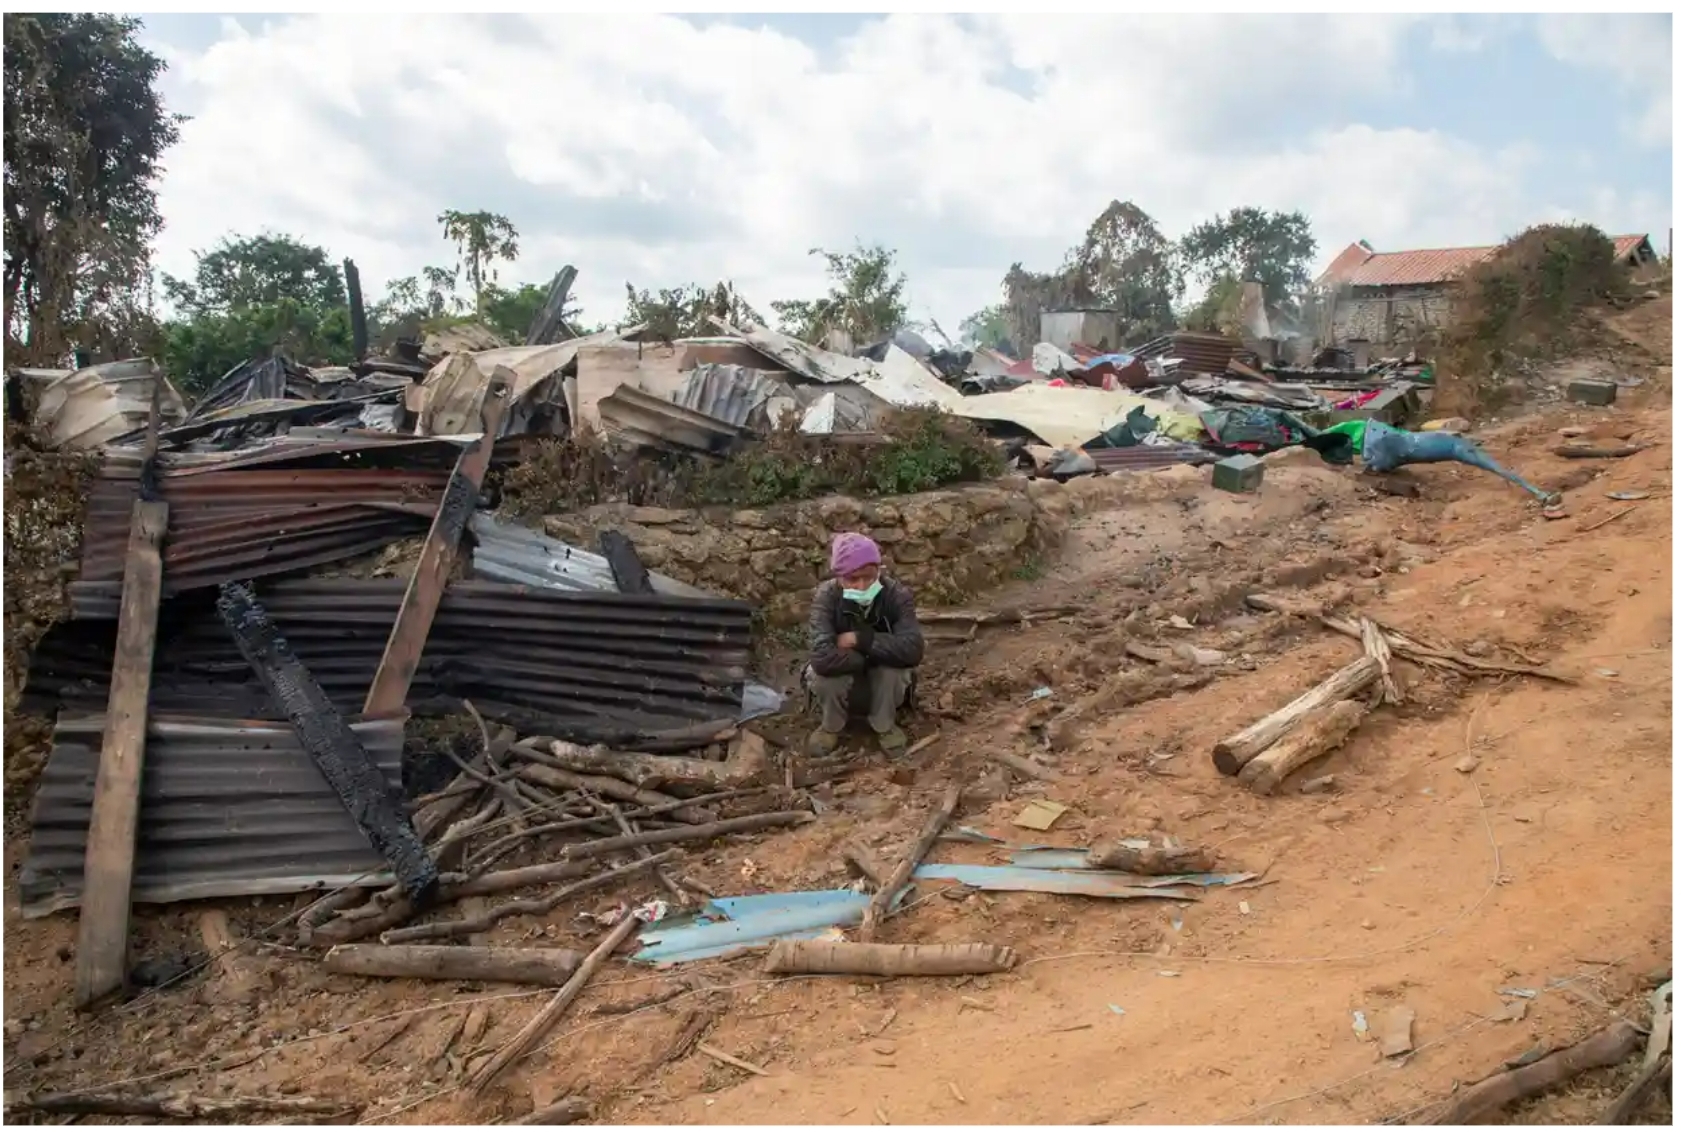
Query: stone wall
point(1394, 317)
point(947, 544)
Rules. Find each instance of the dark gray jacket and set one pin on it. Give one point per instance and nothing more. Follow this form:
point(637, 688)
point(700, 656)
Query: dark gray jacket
point(888, 633)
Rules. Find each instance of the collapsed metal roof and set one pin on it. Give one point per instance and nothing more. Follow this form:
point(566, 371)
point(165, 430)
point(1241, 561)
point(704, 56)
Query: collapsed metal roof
point(229, 807)
point(594, 664)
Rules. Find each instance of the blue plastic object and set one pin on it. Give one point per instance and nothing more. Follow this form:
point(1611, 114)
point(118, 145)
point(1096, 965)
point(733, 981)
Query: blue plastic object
point(1388, 448)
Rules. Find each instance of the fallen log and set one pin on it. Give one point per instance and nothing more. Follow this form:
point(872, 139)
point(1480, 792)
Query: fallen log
point(861, 861)
point(1150, 860)
point(1608, 1047)
point(1596, 452)
point(567, 1111)
point(545, 1019)
point(1630, 1100)
point(171, 1106)
point(745, 766)
point(1021, 766)
point(893, 960)
point(1376, 644)
point(1234, 752)
point(881, 904)
point(559, 778)
point(528, 966)
point(1320, 732)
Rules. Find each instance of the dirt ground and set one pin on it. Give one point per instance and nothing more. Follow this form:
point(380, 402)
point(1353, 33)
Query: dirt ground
point(1420, 880)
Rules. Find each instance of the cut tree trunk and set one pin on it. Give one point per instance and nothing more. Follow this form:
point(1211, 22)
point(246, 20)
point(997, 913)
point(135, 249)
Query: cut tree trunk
point(558, 778)
point(1150, 860)
point(1232, 753)
point(568, 1111)
point(744, 767)
point(530, 966)
point(173, 1106)
point(1320, 732)
point(832, 957)
point(881, 904)
point(1608, 1047)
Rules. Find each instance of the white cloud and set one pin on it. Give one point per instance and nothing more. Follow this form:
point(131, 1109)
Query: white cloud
point(646, 148)
point(1636, 50)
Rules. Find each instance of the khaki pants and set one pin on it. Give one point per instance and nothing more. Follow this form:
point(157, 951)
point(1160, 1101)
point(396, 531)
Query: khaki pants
point(877, 694)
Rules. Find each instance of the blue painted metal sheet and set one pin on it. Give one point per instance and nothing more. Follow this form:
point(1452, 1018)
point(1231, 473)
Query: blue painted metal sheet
point(733, 924)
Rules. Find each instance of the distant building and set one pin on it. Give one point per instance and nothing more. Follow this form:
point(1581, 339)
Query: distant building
point(1396, 300)
point(1088, 326)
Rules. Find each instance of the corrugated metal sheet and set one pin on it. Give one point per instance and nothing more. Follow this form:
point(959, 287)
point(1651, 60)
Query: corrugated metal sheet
point(633, 417)
point(231, 521)
point(811, 362)
point(1200, 353)
point(1417, 268)
point(1148, 457)
point(734, 924)
point(1073, 882)
point(595, 662)
point(452, 396)
point(91, 407)
point(1626, 246)
point(728, 393)
point(506, 552)
point(227, 808)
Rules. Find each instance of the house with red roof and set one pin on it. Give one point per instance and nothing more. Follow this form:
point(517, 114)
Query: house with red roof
point(1398, 300)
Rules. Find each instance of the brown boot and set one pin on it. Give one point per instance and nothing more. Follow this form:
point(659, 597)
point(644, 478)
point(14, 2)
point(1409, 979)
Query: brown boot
point(822, 743)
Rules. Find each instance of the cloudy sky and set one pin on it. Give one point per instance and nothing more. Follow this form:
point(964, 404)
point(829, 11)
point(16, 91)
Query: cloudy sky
point(674, 149)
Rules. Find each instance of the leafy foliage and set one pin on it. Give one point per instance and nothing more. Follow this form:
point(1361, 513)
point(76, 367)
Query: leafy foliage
point(1274, 248)
point(989, 327)
point(258, 271)
point(1123, 263)
point(481, 238)
point(923, 450)
point(685, 312)
point(1217, 311)
point(866, 298)
point(84, 132)
point(1128, 266)
point(250, 297)
point(1521, 304)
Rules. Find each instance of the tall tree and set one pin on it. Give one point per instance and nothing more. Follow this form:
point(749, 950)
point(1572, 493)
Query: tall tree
point(255, 271)
point(866, 298)
point(481, 238)
point(686, 312)
point(1128, 266)
point(85, 130)
point(1274, 248)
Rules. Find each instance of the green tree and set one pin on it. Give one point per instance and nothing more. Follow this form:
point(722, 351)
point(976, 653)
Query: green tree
point(256, 271)
point(687, 311)
point(85, 130)
point(1274, 248)
point(1128, 266)
point(866, 298)
point(1217, 311)
point(481, 238)
point(252, 297)
point(989, 327)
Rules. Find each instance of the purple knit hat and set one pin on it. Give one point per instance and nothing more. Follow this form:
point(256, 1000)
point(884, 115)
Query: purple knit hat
point(852, 551)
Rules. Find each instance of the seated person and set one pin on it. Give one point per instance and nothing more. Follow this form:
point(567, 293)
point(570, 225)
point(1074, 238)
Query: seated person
point(864, 636)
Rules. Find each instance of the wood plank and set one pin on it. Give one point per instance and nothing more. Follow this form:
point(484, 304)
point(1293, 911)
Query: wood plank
point(108, 872)
point(390, 688)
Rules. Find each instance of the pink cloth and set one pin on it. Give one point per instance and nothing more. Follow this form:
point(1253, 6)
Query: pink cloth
point(852, 551)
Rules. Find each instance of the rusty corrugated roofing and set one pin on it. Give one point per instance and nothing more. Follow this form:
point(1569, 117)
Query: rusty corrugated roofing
point(1201, 353)
point(228, 807)
point(1361, 267)
point(594, 662)
point(270, 512)
point(1147, 457)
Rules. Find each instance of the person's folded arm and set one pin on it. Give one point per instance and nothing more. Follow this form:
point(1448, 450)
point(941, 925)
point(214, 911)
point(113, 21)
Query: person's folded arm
point(827, 657)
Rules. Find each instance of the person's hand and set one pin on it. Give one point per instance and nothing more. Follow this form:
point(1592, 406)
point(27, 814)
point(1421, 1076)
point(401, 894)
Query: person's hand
point(847, 641)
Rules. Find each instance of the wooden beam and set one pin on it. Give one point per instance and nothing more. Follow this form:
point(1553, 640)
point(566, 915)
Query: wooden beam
point(108, 871)
point(549, 325)
point(390, 688)
point(358, 312)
